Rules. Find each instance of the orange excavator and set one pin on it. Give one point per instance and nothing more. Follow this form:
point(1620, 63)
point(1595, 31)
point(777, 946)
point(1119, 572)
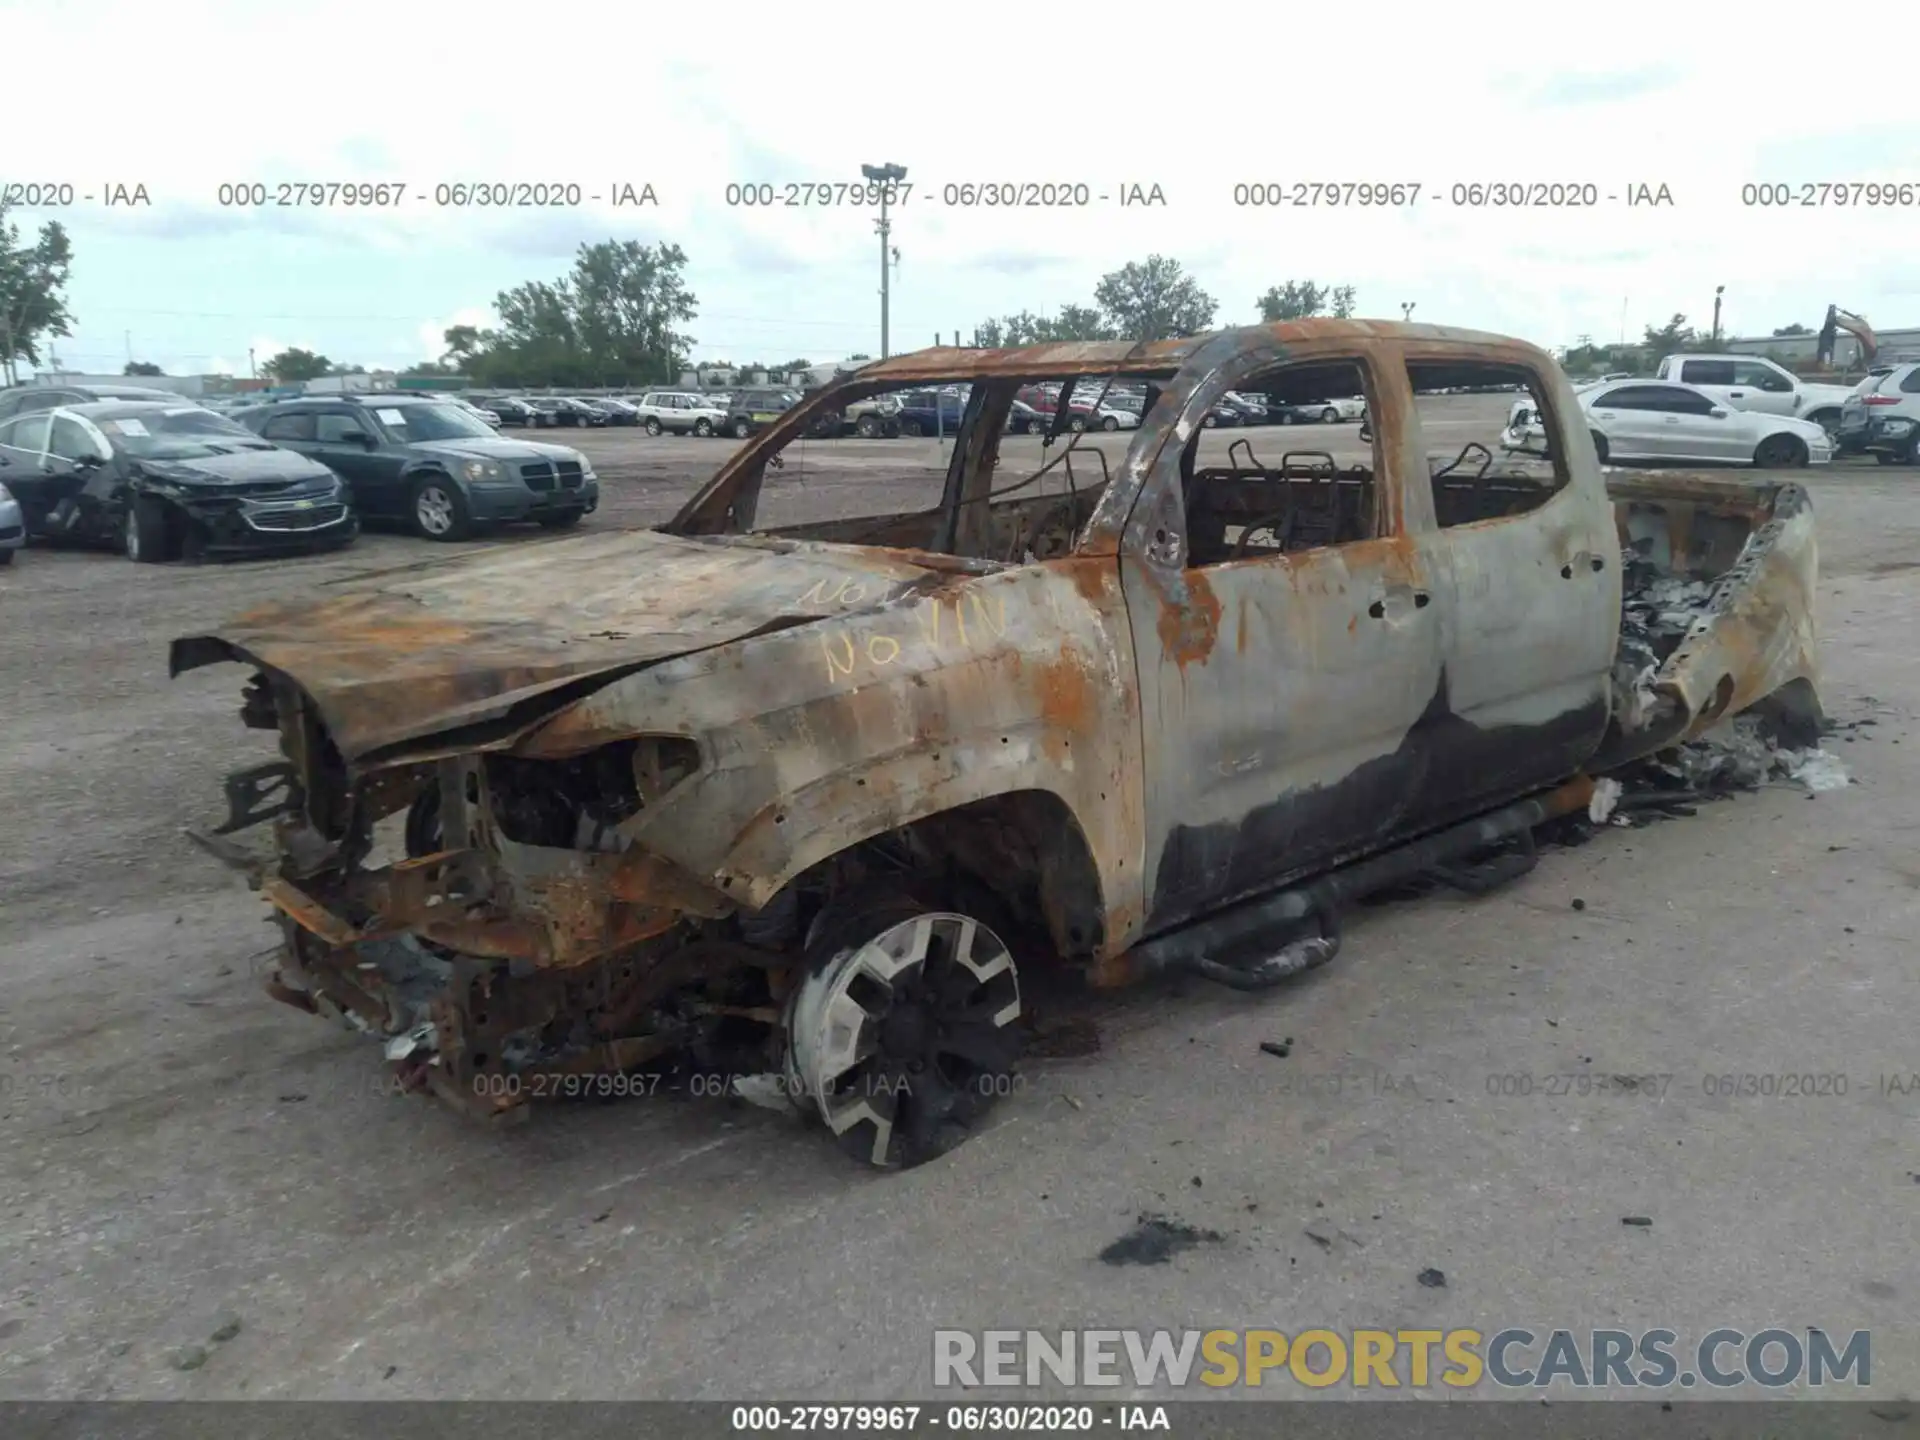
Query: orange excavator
point(1838, 320)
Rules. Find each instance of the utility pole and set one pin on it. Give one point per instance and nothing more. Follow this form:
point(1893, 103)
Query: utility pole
point(252, 374)
point(1718, 291)
point(886, 177)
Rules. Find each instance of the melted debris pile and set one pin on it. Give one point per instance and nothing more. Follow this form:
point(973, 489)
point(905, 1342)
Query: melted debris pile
point(1740, 754)
point(1657, 609)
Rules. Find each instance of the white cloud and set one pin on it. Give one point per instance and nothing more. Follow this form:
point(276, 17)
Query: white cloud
point(1435, 99)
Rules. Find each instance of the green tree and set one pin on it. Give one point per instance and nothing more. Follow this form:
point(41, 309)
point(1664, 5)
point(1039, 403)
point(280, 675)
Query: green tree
point(1303, 299)
point(463, 343)
point(1154, 299)
point(1079, 322)
point(142, 367)
point(1295, 300)
point(1792, 330)
point(293, 365)
point(1675, 335)
point(33, 280)
point(612, 320)
point(628, 299)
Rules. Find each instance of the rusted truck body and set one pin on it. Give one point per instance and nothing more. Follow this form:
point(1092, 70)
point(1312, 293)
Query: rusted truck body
point(810, 801)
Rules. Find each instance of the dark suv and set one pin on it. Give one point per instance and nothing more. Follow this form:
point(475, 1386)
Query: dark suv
point(750, 411)
point(51, 397)
point(431, 464)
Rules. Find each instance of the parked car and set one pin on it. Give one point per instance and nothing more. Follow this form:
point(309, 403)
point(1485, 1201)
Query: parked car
point(160, 479)
point(513, 411)
point(438, 470)
point(13, 526)
point(1023, 419)
point(579, 412)
point(1753, 382)
point(1222, 412)
point(548, 413)
point(47, 397)
point(484, 413)
point(1882, 416)
point(1651, 420)
point(617, 411)
point(929, 412)
point(876, 417)
point(845, 782)
point(750, 411)
point(1252, 410)
point(681, 412)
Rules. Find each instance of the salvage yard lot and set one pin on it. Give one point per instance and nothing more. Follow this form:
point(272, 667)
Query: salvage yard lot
point(178, 1145)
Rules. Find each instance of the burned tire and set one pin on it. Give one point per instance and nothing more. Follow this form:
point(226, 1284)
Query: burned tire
point(149, 537)
point(1780, 452)
point(1599, 445)
point(904, 1031)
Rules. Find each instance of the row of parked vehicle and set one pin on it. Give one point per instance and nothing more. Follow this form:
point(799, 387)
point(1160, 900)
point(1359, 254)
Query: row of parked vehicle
point(1741, 410)
point(159, 476)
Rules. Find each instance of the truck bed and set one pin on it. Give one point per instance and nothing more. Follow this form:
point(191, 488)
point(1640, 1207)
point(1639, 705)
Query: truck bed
point(1717, 610)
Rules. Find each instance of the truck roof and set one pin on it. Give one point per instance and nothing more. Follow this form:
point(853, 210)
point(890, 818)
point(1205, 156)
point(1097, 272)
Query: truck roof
point(1150, 357)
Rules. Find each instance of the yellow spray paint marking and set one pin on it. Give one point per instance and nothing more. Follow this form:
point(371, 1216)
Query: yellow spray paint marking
point(825, 591)
point(843, 651)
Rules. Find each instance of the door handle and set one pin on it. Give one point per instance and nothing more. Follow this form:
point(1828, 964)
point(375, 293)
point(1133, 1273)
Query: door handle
point(1737, 394)
point(1673, 419)
point(1396, 600)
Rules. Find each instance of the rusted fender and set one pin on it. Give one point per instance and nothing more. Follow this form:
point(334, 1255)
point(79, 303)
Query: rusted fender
point(812, 740)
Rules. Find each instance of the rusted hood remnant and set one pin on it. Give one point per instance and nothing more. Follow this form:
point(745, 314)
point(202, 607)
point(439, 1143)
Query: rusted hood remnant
point(511, 634)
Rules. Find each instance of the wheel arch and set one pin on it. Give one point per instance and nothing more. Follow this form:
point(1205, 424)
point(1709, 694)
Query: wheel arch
point(1026, 841)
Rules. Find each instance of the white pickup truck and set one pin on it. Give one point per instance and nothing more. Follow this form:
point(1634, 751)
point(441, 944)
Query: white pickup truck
point(1753, 382)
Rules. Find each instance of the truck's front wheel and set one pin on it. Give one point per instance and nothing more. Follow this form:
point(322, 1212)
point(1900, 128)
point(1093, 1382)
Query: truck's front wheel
point(905, 1029)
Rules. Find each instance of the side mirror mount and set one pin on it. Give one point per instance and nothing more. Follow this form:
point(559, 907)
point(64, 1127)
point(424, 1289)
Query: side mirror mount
point(356, 437)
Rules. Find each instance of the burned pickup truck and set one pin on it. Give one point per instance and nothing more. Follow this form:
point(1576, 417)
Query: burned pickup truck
point(810, 802)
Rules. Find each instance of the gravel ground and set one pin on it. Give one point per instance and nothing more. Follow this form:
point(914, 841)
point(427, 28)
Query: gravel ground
point(179, 1148)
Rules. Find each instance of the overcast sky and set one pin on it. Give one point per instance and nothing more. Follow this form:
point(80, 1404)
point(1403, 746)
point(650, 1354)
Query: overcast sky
point(182, 97)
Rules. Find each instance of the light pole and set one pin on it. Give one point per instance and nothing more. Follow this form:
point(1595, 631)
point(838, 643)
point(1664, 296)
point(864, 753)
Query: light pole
point(1406, 309)
point(1718, 291)
point(886, 177)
